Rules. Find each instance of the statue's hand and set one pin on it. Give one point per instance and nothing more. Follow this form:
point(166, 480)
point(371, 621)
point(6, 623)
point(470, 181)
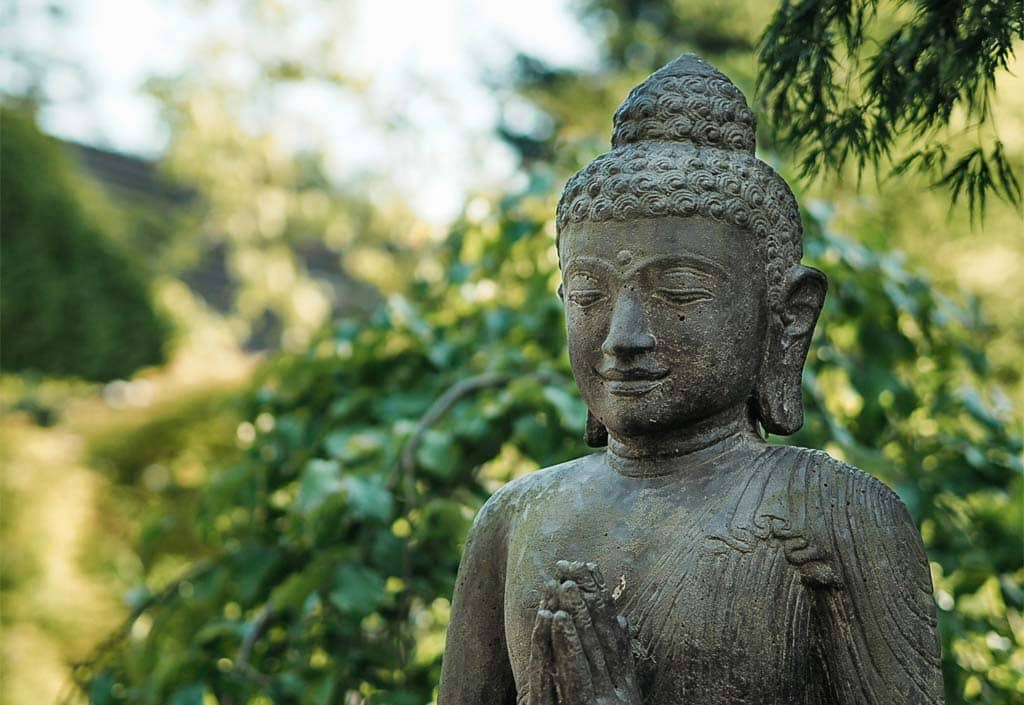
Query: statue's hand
point(540, 689)
point(593, 658)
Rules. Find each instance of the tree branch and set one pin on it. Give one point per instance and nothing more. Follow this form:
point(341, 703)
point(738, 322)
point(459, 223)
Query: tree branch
point(406, 467)
point(259, 623)
point(198, 570)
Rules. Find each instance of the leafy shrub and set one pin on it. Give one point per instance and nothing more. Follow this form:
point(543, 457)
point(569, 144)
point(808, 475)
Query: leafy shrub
point(71, 304)
point(332, 547)
point(158, 465)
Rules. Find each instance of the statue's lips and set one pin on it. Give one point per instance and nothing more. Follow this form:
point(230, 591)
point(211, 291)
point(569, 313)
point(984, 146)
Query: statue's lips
point(631, 382)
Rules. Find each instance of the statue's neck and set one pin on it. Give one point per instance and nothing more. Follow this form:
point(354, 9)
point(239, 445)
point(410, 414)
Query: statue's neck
point(681, 451)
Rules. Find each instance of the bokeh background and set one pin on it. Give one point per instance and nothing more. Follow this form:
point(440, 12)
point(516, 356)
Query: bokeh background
point(278, 314)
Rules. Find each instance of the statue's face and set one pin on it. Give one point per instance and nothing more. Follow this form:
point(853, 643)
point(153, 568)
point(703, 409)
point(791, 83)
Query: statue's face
point(666, 319)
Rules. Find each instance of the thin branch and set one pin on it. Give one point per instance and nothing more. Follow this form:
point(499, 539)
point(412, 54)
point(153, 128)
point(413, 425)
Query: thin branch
point(198, 570)
point(258, 625)
point(406, 467)
point(242, 667)
point(440, 407)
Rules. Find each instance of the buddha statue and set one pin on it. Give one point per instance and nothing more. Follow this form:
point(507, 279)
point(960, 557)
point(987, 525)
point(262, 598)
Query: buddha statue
point(690, 562)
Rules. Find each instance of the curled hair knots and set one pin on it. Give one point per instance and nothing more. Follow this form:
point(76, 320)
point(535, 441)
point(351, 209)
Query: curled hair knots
point(706, 183)
point(629, 206)
point(602, 208)
point(686, 101)
point(662, 162)
point(683, 145)
point(656, 203)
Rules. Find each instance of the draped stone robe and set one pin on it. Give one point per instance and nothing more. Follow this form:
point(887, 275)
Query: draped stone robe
point(756, 574)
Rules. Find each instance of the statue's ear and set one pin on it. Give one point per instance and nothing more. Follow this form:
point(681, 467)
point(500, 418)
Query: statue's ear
point(790, 327)
point(596, 435)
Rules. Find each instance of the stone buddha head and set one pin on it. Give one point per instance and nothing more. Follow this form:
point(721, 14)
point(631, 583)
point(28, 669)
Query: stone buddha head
point(686, 303)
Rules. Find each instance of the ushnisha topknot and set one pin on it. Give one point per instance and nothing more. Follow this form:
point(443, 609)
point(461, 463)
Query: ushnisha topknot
point(687, 101)
point(683, 145)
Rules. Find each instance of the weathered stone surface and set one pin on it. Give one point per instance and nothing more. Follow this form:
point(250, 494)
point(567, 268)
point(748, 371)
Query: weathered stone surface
point(690, 562)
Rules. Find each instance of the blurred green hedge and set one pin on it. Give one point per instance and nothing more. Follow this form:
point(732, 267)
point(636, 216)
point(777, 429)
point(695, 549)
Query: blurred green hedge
point(71, 302)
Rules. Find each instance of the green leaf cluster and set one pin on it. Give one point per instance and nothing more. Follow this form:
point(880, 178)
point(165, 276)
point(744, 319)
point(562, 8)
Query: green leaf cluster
point(893, 88)
point(897, 385)
point(874, 82)
point(334, 543)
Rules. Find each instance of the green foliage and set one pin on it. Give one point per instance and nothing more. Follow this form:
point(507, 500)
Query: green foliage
point(158, 465)
point(869, 82)
point(905, 86)
point(332, 558)
point(333, 545)
point(72, 304)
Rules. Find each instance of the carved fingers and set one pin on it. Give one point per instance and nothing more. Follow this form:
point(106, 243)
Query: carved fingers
point(541, 684)
point(573, 677)
point(588, 651)
point(611, 628)
point(594, 647)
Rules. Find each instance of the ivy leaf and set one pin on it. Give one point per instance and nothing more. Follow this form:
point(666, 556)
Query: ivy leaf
point(357, 591)
point(438, 453)
point(349, 447)
point(336, 444)
point(320, 479)
point(367, 497)
point(189, 695)
point(252, 566)
point(292, 593)
point(571, 410)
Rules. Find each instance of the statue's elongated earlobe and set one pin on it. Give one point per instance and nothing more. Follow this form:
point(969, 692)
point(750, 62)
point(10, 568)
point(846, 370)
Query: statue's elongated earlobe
point(779, 403)
point(596, 435)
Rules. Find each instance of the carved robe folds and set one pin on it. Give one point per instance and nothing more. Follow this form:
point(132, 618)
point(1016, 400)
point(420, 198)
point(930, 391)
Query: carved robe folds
point(766, 594)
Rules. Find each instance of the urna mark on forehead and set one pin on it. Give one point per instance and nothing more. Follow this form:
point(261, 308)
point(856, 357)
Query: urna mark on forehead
point(683, 147)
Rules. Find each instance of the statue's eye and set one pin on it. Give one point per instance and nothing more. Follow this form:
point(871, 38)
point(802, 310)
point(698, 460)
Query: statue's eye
point(586, 297)
point(682, 297)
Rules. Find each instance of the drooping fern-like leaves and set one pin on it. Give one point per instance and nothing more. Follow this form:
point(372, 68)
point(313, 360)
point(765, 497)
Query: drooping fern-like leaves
point(845, 83)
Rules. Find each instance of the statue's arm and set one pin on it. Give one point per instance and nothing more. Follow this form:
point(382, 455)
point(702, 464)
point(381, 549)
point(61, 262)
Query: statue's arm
point(878, 628)
point(475, 669)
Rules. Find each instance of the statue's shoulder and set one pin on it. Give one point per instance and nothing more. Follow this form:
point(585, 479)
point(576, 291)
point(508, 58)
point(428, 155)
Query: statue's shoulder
point(514, 497)
point(836, 512)
point(817, 476)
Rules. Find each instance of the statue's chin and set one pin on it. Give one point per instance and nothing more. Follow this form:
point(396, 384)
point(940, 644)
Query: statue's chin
point(637, 424)
point(655, 422)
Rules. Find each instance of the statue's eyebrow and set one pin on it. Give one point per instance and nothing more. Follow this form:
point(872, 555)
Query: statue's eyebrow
point(585, 262)
point(691, 264)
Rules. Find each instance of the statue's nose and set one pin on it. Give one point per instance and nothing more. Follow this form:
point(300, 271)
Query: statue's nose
point(629, 332)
